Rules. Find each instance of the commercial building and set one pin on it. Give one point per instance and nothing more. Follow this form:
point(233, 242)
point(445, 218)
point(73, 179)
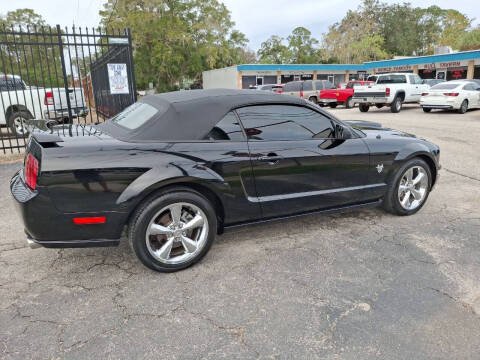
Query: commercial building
point(459, 65)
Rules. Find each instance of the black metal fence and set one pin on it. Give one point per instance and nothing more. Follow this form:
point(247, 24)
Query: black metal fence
point(74, 76)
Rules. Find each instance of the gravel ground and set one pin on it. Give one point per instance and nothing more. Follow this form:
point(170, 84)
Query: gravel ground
point(357, 285)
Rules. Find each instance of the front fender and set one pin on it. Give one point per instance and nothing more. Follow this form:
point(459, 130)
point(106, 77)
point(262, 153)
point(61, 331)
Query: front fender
point(410, 151)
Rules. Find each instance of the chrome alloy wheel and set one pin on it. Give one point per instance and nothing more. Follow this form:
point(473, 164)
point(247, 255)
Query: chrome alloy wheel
point(413, 188)
point(177, 233)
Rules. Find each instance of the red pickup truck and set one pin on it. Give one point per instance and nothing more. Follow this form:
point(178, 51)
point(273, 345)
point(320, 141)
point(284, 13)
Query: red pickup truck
point(333, 97)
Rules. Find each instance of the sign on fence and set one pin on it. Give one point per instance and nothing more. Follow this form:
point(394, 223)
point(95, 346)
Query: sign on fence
point(118, 78)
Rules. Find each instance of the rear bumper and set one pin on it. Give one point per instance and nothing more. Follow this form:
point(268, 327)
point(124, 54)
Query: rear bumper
point(46, 226)
point(63, 113)
point(327, 101)
point(445, 107)
point(370, 99)
point(35, 244)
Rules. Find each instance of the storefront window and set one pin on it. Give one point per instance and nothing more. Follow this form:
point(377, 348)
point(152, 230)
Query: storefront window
point(427, 73)
point(457, 73)
point(476, 72)
point(287, 78)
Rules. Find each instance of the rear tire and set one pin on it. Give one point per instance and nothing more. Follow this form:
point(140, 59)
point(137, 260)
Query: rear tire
point(363, 107)
point(464, 107)
point(349, 103)
point(396, 105)
point(333, 105)
point(392, 200)
point(16, 122)
point(427, 110)
point(158, 230)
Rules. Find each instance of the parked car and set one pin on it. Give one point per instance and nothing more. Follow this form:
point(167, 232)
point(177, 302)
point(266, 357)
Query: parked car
point(333, 97)
point(432, 82)
point(20, 103)
point(270, 87)
point(392, 90)
point(459, 95)
point(307, 89)
point(279, 88)
point(179, 168)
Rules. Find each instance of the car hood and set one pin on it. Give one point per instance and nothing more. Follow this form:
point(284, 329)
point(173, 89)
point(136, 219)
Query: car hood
point(374, 129)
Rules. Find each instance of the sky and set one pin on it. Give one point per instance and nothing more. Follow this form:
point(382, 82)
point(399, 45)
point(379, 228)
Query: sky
point(257, 19)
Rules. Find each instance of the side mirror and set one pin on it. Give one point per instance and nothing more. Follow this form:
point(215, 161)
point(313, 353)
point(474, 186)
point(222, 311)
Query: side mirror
point(343, 132)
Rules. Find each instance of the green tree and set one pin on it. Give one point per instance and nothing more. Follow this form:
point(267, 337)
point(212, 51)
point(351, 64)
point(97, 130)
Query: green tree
point(175, 40)
point(273, 51)
point(470, 40)
point(27, 60)
point(303, 47)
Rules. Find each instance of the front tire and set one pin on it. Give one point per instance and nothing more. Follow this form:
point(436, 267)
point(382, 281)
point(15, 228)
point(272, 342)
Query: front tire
point(313, 99)
point(173, 230)
point(349, 103)
point(363, 107)
point(409, 189)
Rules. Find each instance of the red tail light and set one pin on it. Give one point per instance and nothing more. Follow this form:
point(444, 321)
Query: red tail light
point(424, 94)
point(89, 220)
point(31, 171)
point(301, 93)
point(387, 91)
point(48, 100)
point(450, 94)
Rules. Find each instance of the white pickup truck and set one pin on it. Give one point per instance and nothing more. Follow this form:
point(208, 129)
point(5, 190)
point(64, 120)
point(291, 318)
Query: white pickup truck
point(19, 103)
point(390, 90)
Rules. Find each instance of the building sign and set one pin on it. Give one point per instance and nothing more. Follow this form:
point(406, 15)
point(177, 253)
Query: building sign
point(118, 78)
point(427, 66)
point(395, 68)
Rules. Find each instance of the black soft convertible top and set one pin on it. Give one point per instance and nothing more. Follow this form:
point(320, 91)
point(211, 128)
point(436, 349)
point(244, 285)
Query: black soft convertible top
point(190, 115)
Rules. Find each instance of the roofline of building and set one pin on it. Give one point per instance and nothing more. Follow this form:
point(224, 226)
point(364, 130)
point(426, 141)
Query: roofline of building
point(464, 55)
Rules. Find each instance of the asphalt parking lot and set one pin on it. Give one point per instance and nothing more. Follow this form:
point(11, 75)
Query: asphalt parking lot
point(357, 285)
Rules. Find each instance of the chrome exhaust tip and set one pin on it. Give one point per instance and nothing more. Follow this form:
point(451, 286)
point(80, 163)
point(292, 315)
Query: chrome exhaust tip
point(33, 244)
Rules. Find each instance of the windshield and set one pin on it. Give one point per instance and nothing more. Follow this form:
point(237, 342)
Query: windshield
point(445, 86)
point(392, 79)
point(135, 115)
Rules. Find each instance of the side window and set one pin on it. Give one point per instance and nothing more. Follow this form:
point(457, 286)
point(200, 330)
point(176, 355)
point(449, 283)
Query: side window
point(307, 86)
point(226, 129)
point(329, 85)
point(319, 85)
point(284, 122)
point(293, 86)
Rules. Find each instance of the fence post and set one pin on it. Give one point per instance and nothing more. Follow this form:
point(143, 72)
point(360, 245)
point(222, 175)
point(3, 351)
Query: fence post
point(65, 79)
point(132, 70)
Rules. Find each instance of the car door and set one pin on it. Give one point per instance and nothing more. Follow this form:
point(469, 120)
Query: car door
point(472, 95)
point(477, 94)
point(297, 162)
point(293, 88)
point(226, 153)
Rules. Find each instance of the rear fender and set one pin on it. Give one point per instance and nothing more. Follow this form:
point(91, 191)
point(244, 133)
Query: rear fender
point(171, 174)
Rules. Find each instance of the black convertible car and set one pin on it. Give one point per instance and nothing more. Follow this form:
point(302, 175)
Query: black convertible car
point(178, 168)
